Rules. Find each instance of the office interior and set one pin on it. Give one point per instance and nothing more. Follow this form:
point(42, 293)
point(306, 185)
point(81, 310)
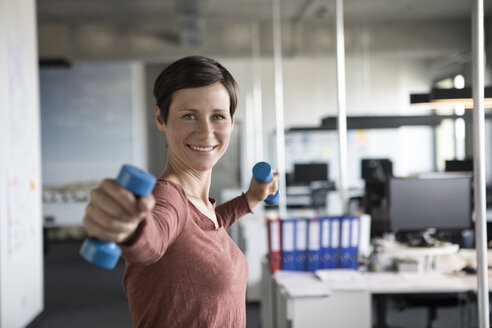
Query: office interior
point(76, 103)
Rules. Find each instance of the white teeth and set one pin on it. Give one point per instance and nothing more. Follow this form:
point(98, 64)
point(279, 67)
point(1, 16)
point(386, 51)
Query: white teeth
point(202, 148)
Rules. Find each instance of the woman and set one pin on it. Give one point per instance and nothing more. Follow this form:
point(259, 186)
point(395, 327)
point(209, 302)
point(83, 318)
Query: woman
point(182, 268)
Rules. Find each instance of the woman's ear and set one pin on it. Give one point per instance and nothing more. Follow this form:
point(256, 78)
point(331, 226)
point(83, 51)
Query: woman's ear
point(158, 119)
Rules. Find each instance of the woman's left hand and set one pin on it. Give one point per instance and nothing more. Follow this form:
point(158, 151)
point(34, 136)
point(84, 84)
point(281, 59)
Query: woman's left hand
point(258, 192)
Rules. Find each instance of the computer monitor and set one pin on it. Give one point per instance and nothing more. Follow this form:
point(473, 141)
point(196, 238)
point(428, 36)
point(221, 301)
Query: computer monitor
point(306, 173)
point(443, 203)
point(455, 165)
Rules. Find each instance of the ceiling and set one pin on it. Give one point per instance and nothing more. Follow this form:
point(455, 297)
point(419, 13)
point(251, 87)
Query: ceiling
point(134, 11)
point(67, 27)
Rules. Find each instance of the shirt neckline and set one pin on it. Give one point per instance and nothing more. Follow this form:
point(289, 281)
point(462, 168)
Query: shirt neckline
point(212, 200)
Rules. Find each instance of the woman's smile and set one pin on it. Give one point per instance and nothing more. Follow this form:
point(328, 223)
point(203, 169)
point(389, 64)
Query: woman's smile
point(202, 149)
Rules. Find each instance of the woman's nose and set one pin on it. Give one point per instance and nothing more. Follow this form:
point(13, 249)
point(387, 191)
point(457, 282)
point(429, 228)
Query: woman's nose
point(205, 127)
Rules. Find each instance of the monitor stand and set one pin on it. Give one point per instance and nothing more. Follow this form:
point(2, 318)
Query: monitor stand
point(422, 238)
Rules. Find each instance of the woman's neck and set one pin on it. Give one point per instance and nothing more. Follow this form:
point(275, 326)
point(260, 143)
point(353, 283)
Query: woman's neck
point(196, 184)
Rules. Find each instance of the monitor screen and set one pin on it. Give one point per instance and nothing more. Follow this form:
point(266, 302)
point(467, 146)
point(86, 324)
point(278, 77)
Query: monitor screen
point(459, 165)
point(306, 173)
point(443, 203)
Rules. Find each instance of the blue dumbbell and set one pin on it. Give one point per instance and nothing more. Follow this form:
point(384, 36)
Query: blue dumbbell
point(262, 171)
point(105, 254)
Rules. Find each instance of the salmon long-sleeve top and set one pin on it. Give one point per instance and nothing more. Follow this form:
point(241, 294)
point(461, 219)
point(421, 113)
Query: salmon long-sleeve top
point(182, 271)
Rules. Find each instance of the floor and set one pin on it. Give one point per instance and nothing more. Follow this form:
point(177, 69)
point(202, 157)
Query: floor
point(80, 295)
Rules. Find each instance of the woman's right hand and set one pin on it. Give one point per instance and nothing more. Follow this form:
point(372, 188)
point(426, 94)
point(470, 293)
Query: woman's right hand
point(258, 192)
point(114, 213)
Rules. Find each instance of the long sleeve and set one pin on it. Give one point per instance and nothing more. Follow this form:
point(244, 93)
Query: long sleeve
point(160, 228)
point(233, 210)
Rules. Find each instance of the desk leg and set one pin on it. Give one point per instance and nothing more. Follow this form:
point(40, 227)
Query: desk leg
point(380, 303)
point(269, 298)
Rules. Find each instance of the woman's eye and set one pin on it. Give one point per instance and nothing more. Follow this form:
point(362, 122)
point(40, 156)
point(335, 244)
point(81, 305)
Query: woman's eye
point(219, 117)
point(189, 116)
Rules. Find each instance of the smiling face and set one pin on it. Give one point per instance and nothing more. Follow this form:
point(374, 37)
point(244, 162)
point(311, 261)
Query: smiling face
point(198, 128)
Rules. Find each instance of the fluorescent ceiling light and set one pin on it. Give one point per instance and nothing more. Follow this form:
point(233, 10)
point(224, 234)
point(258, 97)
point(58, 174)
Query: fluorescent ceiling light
point(449, 98)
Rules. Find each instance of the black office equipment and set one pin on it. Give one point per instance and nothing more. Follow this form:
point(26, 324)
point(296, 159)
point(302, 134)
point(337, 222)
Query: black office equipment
point(456, 165)
point(308, 185)
point(376, 170)
point(443, 203)
point(306, 173)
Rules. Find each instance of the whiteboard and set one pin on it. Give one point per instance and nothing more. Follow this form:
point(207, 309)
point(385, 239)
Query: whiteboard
point(21, 256)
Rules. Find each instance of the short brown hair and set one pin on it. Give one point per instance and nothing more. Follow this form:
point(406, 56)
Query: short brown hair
point(192, 72)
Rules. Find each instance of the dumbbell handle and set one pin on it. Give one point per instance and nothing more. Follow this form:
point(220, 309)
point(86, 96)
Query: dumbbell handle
point(263, 173)
point(105, 254)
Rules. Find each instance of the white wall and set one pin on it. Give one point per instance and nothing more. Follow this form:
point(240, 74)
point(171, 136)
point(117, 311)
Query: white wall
point(21, 258)
point(377, 84)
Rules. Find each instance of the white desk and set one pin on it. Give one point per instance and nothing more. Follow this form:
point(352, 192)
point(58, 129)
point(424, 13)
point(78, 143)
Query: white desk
point(285, 306)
